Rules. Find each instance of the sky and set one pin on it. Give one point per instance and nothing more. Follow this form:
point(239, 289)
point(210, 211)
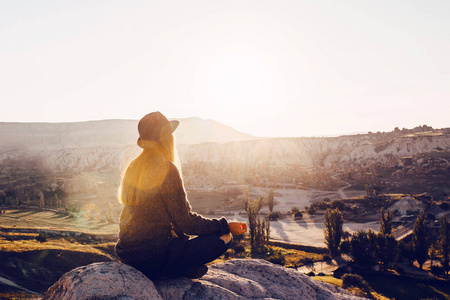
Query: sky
point(268, 68)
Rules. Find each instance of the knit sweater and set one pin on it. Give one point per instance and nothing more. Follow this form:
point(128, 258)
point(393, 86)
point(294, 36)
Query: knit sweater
point(148, 229)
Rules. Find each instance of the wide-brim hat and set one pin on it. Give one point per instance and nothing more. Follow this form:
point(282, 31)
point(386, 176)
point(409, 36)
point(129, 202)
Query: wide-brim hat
point(155, 126)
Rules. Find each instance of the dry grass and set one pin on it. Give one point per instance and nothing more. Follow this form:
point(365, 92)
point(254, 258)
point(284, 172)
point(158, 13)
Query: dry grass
point(353, 290)
point(56, 244)
point(17, 296)
point(54, 221)
point(328, 279)
point(396, 196)
point(285, 257)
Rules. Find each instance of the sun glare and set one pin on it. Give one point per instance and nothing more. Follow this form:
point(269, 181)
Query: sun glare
point(237, 81)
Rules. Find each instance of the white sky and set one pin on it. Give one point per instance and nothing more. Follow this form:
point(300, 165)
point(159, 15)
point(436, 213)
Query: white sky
point(268, 68)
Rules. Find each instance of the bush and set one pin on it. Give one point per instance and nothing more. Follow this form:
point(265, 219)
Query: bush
point(260, 249)
point(355, 280)
point(42, 237)
point(294, 210)
point(322, 205)
point(311, 274)
point(338, 204)
point(437, 271)
point(311, 210)
point(298, 215)
point(274, 216)
point(306, 261)
point(239, 248)
point(326, 257)
point(277, 258)
point(238, 238)
point(345, 246)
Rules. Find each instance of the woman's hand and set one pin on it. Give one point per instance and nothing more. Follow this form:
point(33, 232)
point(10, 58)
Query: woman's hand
point(237, 228)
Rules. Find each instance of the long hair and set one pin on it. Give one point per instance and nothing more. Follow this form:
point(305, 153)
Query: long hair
point(147, 171)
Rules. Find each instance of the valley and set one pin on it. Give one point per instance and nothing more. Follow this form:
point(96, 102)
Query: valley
point(60, 206)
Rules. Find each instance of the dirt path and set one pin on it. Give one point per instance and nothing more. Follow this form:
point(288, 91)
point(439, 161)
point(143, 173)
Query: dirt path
point(341, 190)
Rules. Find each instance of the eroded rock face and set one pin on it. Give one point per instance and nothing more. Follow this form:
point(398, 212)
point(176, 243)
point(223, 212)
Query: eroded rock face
point(234, 279)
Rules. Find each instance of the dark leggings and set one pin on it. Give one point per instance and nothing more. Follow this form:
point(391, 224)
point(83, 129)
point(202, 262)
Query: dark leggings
point(197, 252)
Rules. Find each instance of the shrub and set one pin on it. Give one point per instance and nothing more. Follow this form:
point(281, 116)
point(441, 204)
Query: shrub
point(311, 274)
point(295, 209)
point(345, 246)
point(260, 249)
point(306, 261)
point(238, 238)
point(437, 271)
point(298, 215)
point(274, 216)
point(42, 237)
point(239, 248)
point(355, 280)
point(311, 210)
point(277, 258)
point(321, 274)
point(322, 205)
point(338, 204)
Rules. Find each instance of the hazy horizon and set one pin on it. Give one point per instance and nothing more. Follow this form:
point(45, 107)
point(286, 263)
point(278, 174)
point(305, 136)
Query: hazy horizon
point(306, 136)
point(266, 68)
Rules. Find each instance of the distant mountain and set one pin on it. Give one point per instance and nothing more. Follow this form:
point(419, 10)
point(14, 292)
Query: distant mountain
point(196, 131)
point(109, 144)
point(106, 133)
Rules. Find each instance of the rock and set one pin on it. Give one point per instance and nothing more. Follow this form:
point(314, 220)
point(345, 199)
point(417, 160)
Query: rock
point(106, 280)
point(234, 279)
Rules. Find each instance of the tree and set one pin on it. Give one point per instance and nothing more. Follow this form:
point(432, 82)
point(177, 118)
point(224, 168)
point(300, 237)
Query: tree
point(270, 200)
point(444, 243)
point(385, 222)
point(41, 202)
point(3, 196)
point(406, 251)
point(262, 231)
point(420, 241)
point(333, 230)
point(387, 251)
point(364, 248)
point(259, 230)
point(432, 254)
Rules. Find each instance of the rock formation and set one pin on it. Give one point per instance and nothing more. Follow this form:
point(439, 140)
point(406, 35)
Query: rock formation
point(234, 279)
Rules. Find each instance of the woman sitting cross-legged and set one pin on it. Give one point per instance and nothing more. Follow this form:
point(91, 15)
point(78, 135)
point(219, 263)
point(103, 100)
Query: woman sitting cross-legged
point(157, 220)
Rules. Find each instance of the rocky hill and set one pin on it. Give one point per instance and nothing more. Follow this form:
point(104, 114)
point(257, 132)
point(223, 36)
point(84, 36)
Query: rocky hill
point(99, 145)
point(223, 157)
point(234, 279)
point(310, 152)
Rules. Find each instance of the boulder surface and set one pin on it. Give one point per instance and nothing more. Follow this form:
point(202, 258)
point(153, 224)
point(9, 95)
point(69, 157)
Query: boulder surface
point(234, 279)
